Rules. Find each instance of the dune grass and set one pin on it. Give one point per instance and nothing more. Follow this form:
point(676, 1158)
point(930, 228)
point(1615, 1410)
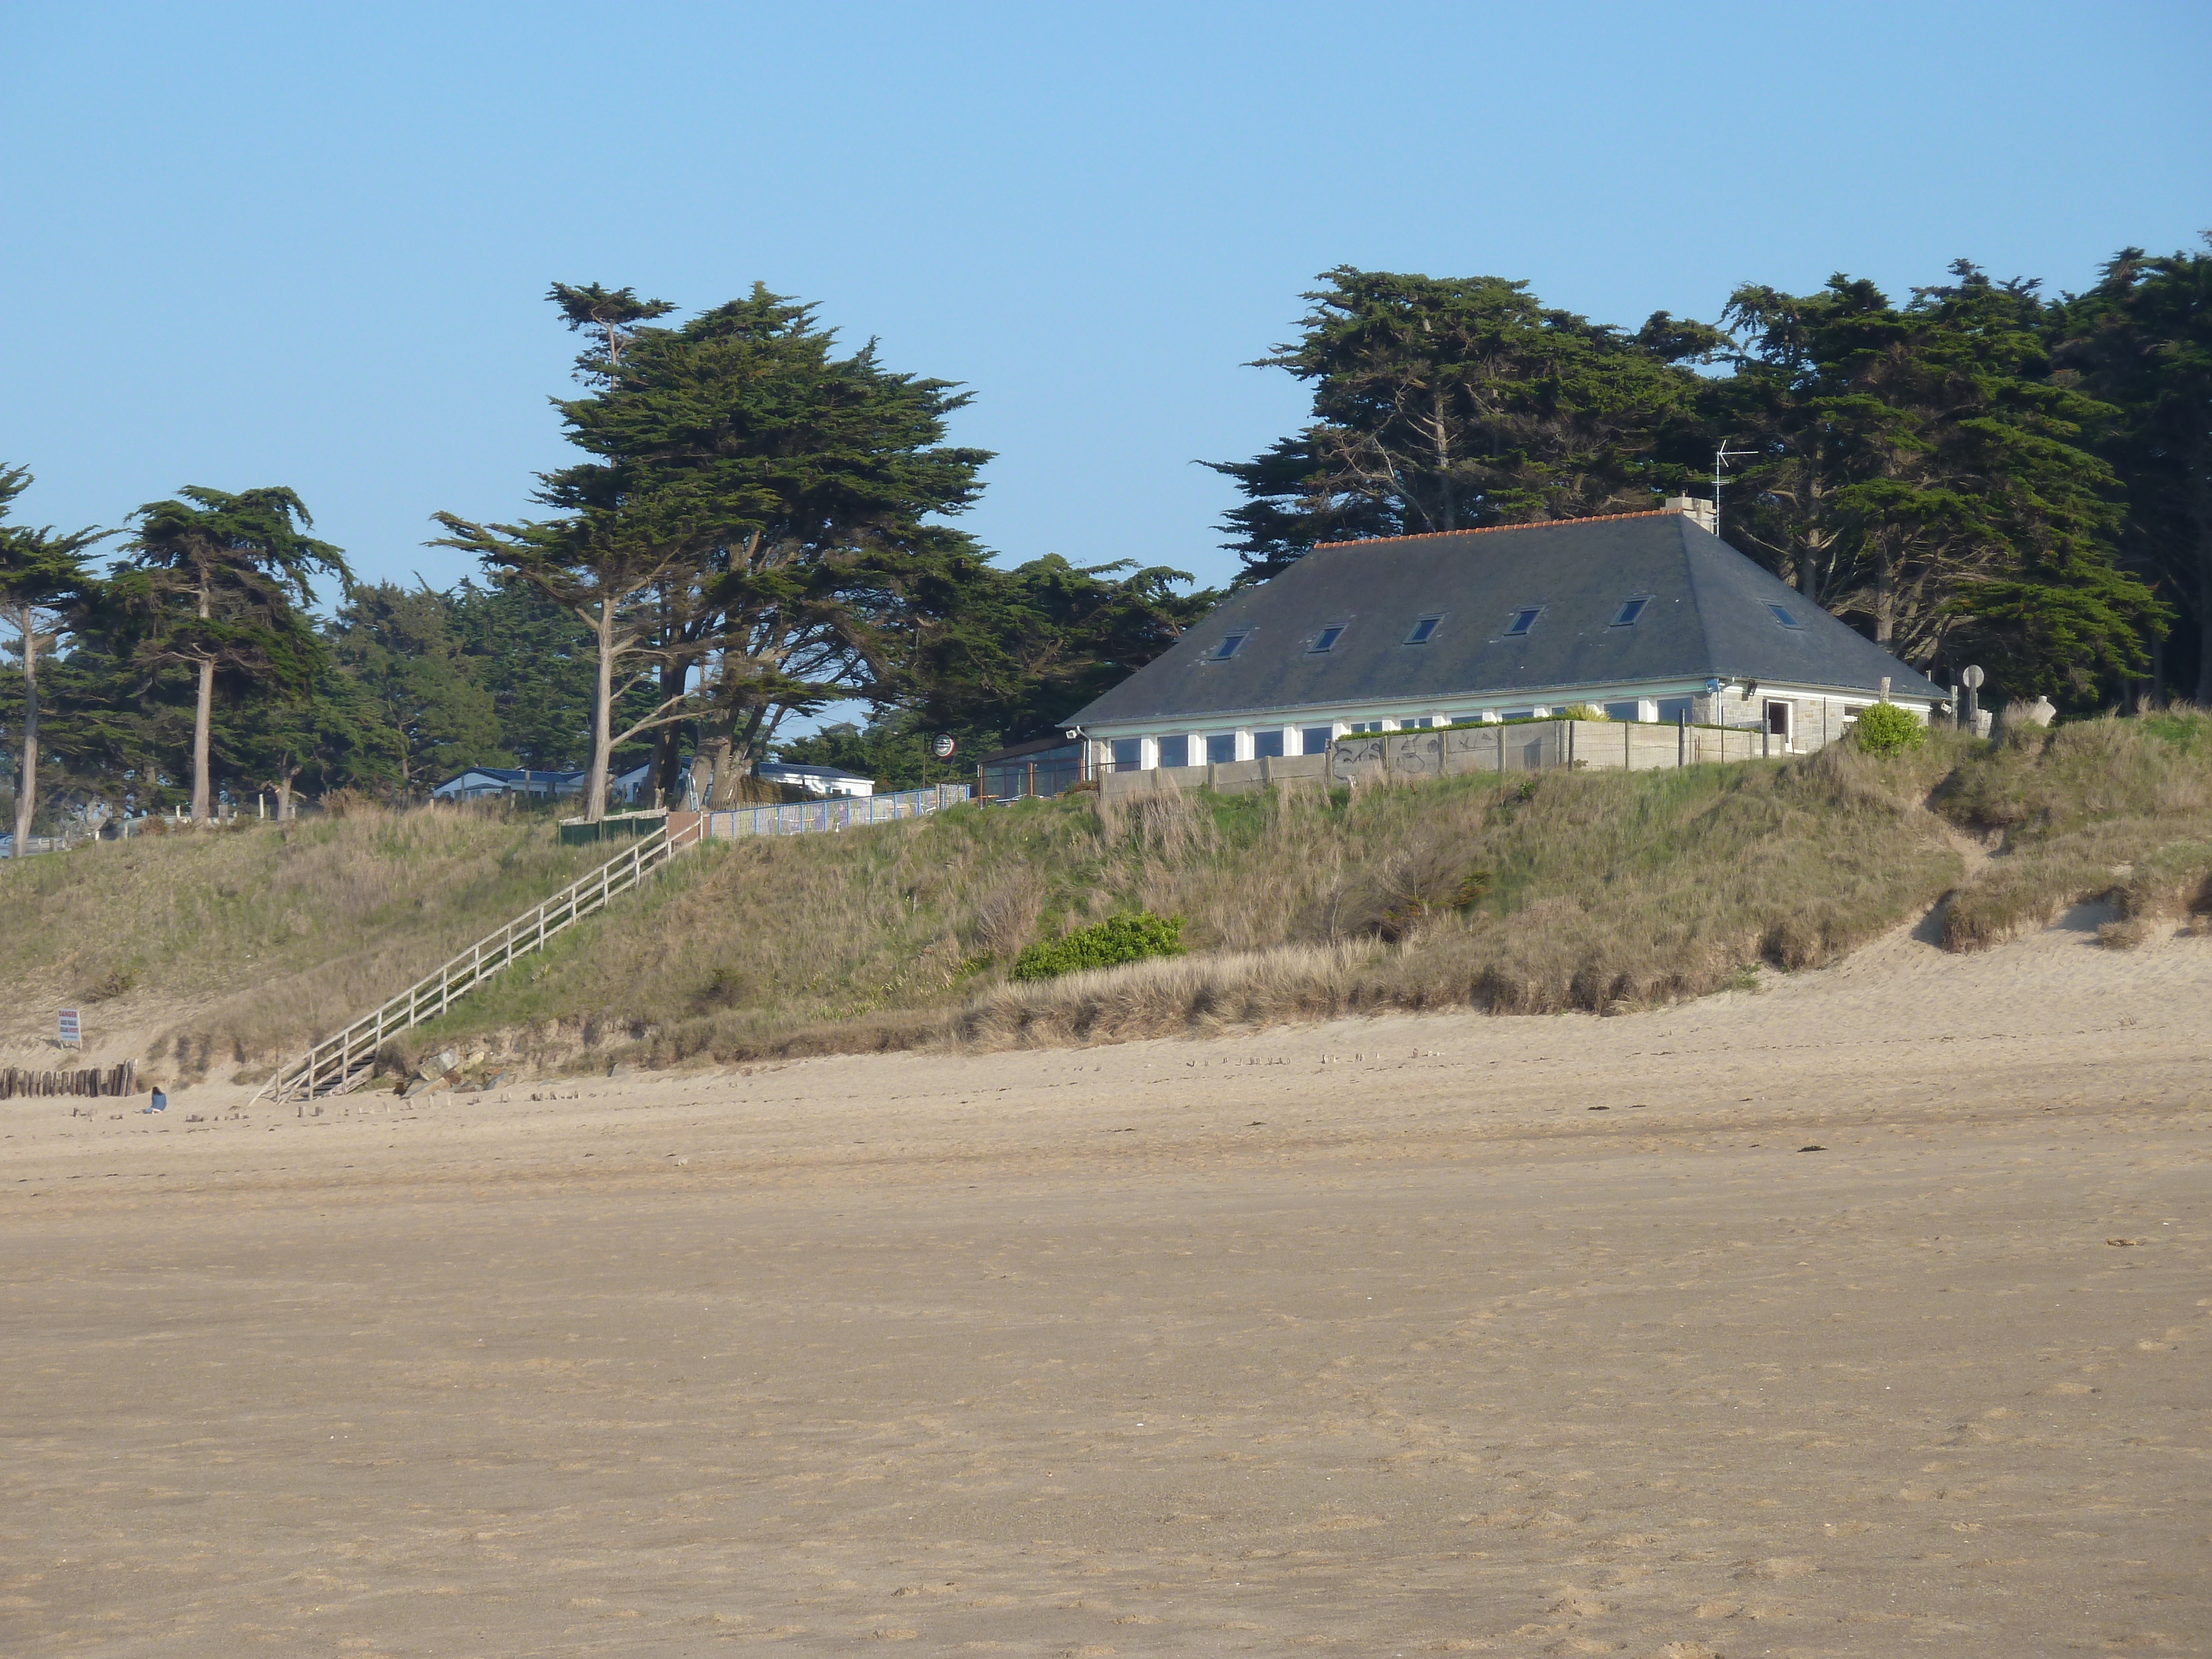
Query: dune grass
point(239, 943)
point(1521, 894)
point(2110, 809)
point(1594, 891)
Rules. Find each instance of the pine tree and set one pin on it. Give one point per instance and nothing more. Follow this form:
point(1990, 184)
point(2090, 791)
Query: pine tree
point(2141, 340)
point(1924, 472)
point(1452, 404)
point(218, 583)
point(42, 580)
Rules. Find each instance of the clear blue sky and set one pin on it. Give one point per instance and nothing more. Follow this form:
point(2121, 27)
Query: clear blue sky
point(307, 244)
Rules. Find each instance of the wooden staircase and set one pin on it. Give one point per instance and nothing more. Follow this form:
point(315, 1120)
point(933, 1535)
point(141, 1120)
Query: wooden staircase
point(345, 1061)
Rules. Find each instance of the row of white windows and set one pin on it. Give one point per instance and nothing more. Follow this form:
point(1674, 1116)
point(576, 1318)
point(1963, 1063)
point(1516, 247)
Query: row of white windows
point(1218, 748)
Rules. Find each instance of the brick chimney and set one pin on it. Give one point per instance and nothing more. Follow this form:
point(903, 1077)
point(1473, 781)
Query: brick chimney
point(1693, 507)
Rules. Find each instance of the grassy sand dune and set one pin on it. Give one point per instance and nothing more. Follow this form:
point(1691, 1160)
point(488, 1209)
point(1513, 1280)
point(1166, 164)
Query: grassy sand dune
point(230, 945)
point(1517, 895)
point(2117, 809)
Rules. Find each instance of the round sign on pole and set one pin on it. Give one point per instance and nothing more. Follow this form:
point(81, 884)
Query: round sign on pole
point(1971, 679)
point(942, 746)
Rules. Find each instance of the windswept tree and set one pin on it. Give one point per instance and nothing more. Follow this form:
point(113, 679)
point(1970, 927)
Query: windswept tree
point(1002, 655)
point(218, 584)
point(43, 579)
point(605, 566)
point(1921, 470)
point(810, 480)
point(2142, 341)
point(1451, 403)
point(752, 504)
point(611, 558)
point(328, 736)
point(429, 714)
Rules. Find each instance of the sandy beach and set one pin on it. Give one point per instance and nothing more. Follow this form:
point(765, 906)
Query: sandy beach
point(1865, 1314)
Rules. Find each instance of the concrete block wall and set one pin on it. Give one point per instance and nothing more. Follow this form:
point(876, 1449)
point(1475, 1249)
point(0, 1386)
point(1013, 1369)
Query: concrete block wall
point(1533, 746)
point(1224, 777)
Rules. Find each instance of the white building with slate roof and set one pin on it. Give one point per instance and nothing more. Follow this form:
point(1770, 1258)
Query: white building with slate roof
point(1647, 615)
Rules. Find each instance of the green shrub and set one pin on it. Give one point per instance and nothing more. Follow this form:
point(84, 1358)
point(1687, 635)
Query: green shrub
point(1887, 729)
point(1583, 711)
point(1116, 940)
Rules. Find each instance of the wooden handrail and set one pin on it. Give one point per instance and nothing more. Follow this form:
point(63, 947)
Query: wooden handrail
point(336, 1063)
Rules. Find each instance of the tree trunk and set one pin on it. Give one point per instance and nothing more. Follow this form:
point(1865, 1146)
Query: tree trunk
point(732, 746)
point(203, 718)
point(27, 777)
point(717, 740)
point(203, 715)
point(720, 790)
point(668, 741)
point(2204, 698)
point(284, 795)
point(603, 716)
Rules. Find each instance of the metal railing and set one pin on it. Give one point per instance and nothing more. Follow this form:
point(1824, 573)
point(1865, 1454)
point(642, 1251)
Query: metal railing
point(342, 1061)
point(1020, 780)
point(837, 812)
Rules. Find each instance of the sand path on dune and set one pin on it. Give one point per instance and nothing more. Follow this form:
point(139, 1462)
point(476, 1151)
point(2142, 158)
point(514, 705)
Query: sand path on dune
point(1413, 1334)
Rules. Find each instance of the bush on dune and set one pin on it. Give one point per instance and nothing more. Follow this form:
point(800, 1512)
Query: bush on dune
point(1886, 729)
point(1106, 945)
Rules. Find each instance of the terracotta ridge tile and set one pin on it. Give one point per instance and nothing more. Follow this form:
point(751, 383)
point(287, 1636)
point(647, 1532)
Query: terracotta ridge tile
point(1496, 529)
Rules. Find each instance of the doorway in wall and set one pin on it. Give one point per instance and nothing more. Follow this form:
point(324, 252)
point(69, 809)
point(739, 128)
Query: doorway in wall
point(1777, 720)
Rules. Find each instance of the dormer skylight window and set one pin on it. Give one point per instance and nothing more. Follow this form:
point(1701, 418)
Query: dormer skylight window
point(1422, 630)
point(1783, 615)
point(1524, 620)
point(1227, 649)
point(1327, 639)
point(1630, 612)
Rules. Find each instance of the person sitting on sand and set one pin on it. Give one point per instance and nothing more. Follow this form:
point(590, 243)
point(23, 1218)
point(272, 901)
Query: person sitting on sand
point(160, 1102)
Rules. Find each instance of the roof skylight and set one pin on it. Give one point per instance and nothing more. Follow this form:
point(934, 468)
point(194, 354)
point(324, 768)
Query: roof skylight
point(1227, 649)
point(1327, 639)
point(1422, 630)
point(1524, 620)
point(1630, 612)
point(1783, 615)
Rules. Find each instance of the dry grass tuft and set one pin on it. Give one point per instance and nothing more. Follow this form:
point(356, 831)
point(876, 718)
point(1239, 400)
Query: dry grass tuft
point(1167, 995)
point(2103, 808)
point(2121, 935)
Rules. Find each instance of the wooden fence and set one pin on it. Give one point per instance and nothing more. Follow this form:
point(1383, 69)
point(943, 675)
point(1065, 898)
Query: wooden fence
point(111, 1080)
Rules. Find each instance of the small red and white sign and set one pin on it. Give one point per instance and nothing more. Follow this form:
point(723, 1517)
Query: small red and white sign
point(72, 1032)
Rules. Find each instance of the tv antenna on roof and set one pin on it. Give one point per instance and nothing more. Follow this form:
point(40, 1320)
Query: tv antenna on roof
point(1724, 453)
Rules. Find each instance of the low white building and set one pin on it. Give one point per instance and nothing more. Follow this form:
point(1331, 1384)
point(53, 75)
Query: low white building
point(816, 780)
point(480, 782)
point(1647, 616)
point(635, 786)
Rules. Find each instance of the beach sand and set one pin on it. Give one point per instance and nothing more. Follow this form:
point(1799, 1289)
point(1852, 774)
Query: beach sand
point(1866, 1314)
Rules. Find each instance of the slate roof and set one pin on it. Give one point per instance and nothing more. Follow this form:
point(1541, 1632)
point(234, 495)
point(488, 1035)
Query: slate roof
point(1708, 617)
point(511, 775)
